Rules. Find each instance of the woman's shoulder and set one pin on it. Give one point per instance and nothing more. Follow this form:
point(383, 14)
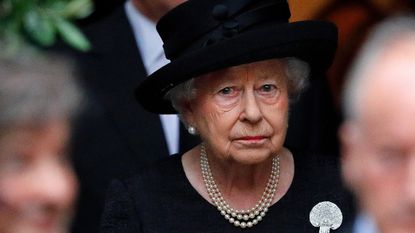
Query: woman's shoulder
point(318, 170)
point(316, 162)
point(318, 179)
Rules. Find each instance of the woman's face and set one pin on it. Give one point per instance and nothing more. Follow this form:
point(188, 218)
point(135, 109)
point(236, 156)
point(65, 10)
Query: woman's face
point(241, 112)
point(37, 184)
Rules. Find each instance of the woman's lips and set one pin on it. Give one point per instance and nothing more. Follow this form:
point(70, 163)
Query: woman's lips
point(252, 141)
point(252, 138)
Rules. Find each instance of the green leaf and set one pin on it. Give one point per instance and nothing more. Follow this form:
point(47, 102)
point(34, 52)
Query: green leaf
point(58, 5)
point(40, 28)
point(72, 35)
point(39, 21)
point(78, 9)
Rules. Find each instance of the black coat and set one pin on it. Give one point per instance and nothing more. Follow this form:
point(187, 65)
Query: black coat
point(162, 200)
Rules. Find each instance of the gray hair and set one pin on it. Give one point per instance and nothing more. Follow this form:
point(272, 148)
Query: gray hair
point(296, 71)
point(35, 89)
point(384, 35)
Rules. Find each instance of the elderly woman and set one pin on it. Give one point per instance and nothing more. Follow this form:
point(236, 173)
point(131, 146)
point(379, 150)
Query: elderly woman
point(38, 97)
point(235, 67)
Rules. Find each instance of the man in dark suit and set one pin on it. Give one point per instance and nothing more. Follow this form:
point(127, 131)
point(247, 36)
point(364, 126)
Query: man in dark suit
point(115, 137)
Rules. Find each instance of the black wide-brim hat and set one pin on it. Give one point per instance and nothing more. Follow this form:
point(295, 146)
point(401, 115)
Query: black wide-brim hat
point(201, 36)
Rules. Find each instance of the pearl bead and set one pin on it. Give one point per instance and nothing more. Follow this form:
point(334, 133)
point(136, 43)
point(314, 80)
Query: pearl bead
point(243, 224)
point(257, 212)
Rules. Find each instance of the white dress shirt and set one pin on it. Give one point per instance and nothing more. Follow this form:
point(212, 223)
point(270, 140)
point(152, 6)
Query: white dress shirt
point(364, 224)
point(151, 49)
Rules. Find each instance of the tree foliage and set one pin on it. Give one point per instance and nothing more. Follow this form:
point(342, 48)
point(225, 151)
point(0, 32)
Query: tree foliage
point(42, 22)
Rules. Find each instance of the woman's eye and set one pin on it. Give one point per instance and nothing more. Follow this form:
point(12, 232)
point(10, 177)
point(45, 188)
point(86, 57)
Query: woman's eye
point(227, 91)
point(268, 88)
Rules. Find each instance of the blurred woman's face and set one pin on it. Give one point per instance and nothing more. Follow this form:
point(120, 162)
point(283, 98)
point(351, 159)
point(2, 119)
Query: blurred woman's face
point(241, 112)
point(37, 184)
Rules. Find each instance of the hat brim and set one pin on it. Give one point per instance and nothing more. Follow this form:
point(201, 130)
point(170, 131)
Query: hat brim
point(312, 41)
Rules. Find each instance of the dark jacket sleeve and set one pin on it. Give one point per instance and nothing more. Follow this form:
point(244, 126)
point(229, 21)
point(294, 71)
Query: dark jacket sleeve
point(119, 214)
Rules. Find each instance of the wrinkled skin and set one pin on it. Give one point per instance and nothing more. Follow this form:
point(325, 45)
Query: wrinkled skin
point(241, 112)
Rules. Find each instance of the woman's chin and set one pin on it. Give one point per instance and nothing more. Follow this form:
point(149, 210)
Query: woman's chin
point(252, 156)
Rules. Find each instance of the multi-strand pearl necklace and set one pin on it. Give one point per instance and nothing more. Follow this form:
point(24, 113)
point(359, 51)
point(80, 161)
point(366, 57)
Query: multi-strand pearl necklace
point(240, 218)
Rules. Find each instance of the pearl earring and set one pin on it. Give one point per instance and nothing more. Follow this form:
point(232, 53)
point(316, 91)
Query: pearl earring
point(191, 130)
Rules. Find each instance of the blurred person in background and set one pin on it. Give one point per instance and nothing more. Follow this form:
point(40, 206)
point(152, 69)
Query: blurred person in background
point(378, 135)
point(38, 98)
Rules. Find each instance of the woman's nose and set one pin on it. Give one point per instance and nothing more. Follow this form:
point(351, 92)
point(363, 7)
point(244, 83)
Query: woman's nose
point(251, 111)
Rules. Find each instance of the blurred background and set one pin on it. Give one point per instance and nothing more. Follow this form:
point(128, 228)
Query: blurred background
point(353, 18)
